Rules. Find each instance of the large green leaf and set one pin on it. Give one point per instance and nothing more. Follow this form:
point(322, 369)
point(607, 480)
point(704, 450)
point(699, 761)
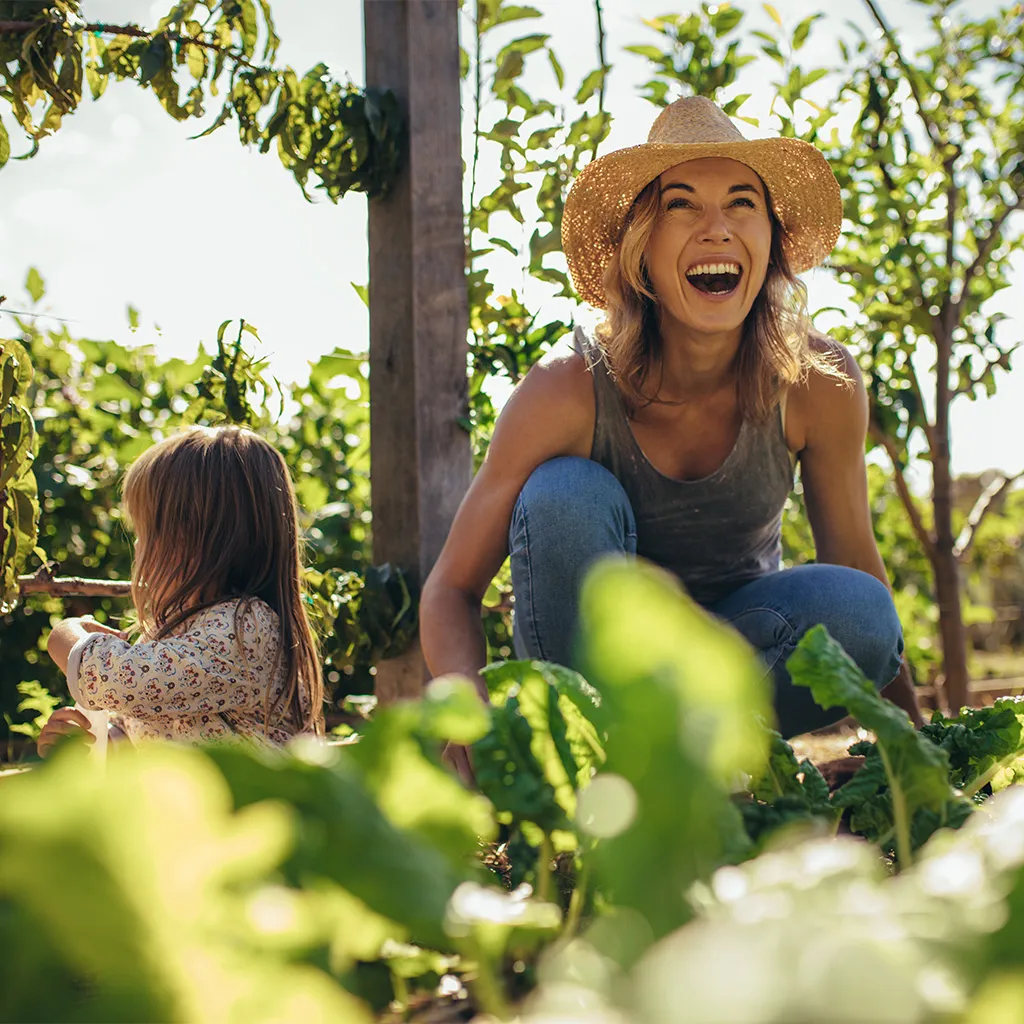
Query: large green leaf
point(681, 696)
point(159, 900)
point(917, 771)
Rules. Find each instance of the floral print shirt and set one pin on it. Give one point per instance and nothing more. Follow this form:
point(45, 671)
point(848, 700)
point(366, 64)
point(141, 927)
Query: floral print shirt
point(206, 681)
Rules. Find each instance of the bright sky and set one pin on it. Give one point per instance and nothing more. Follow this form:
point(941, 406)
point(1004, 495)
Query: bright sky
point(120, 207)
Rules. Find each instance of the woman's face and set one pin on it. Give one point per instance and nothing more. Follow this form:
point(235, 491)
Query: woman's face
point(708, 254)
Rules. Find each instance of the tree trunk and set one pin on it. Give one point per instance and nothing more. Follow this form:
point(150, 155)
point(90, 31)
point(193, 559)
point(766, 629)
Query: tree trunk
point(944, 562)
point(951, 629)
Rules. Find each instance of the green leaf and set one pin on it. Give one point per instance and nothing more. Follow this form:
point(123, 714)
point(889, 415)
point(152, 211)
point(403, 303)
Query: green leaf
point(590, 84)
point(154, 59)
point(34, 284)
point(681, 698)
point(345, 837)
point(773, 14)
point(917, 770)
point(556, 67)
point(363, 291)
point(651, 52)
point(160, 823)
point(513, 12)
point(802, 30)
point(726, 19)
point(511, 67)
point(452, 711)
point(978, 740)
point(5, 144)
point(504, 243)
point(398, 755)
point(508, 770)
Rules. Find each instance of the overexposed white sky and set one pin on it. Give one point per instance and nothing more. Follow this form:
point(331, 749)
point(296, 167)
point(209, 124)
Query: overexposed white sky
point(121, 207)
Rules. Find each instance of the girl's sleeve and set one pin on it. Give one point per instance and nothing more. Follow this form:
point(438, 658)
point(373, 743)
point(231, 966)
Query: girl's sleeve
point(199, 672)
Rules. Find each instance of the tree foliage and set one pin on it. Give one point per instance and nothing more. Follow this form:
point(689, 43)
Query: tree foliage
point(348, 139)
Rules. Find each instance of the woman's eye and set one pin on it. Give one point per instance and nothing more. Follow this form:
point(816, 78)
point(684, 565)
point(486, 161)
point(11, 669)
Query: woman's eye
point(674, 203)
point(743, 202)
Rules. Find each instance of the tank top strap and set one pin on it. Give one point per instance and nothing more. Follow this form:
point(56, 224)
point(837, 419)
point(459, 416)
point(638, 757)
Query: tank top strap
point(612, 436)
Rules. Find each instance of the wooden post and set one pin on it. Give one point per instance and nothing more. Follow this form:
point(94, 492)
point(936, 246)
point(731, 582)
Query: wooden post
point(421, 460)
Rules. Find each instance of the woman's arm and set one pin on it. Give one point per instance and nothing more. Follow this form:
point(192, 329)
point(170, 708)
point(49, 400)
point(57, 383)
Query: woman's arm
point(831, 421)
point(551, 413)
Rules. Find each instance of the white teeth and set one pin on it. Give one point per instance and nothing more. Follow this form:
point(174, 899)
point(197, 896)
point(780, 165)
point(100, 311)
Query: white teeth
point(713, 268)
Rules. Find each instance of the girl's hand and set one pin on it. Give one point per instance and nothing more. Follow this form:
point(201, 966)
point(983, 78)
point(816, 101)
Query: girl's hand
point(63, 722)
point(90, 625)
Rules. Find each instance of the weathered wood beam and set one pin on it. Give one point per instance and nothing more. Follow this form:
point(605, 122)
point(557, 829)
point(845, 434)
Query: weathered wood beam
point(421, 461)
point(72, 586)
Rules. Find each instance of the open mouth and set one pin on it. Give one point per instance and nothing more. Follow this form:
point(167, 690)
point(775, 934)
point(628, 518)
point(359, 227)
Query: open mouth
point(715, 278)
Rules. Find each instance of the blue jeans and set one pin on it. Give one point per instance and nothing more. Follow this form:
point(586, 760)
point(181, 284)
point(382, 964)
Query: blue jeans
point(572, 511)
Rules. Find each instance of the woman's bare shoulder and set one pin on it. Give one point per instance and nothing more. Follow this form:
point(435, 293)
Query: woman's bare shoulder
point(831, 390)
point(551, 411)
point(560, 380)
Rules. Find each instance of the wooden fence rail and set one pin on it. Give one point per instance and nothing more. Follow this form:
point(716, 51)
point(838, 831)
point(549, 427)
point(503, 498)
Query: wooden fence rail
point(42, 582)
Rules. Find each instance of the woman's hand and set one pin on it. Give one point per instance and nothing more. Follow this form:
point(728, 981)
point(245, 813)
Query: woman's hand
point(63, 722)
point(459, 758)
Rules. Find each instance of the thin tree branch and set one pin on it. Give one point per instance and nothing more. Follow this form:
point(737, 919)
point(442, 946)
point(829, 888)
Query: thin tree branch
point(949, 307)
point(926, 540)
point(604, 65)
point(986, 500)
point(42, 582)
point(987, 244)
point(17, 27)
point(930, 126)
point(915, 386)
point(478, 92)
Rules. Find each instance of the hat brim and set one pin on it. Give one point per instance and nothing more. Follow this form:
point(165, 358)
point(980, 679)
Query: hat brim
point(803, 190)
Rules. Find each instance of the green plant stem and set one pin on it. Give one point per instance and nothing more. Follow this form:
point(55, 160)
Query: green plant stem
point(544, 869)
point(486, 989)
point(577, 900)
point(401, 990)
point(477, 93)
point(900, 817)
point(986, 777)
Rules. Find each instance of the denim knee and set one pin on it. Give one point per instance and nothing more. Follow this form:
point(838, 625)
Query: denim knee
point(880, 634)
point(573, 496)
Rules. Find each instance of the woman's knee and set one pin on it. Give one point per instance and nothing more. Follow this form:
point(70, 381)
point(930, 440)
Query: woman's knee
point(575, 494)
point(868, 626)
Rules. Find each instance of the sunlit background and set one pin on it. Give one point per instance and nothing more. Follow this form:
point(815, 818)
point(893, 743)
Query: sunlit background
point(120, 207)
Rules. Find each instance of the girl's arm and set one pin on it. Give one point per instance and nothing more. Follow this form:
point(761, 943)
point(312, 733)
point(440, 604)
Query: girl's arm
point(69, 632)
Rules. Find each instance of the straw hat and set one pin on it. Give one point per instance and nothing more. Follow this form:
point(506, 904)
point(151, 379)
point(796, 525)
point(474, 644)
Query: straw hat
point(803, 189)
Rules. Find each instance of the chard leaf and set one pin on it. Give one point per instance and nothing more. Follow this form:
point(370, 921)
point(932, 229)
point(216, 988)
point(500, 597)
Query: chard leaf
point(789, 793)
point(978, 739)
point(682, 696)
point(916, 769)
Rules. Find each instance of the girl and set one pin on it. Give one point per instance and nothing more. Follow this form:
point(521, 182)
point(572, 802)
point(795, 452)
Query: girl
point(226, 646)
point(672, 431)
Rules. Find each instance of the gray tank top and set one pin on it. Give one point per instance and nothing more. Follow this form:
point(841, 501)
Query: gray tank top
point(716, 533)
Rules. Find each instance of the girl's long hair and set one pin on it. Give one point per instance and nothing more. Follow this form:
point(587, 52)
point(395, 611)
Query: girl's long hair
point(216, 519)
point(775, 351)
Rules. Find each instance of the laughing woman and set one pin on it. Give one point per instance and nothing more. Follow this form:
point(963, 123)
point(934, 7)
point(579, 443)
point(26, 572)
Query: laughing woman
point(673, 432)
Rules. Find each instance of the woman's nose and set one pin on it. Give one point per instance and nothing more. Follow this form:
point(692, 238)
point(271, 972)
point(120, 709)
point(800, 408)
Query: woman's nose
point(713, 226)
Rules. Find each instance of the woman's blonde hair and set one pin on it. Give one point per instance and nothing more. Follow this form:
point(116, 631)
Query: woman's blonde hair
point(775, 351)
point(216, 519)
